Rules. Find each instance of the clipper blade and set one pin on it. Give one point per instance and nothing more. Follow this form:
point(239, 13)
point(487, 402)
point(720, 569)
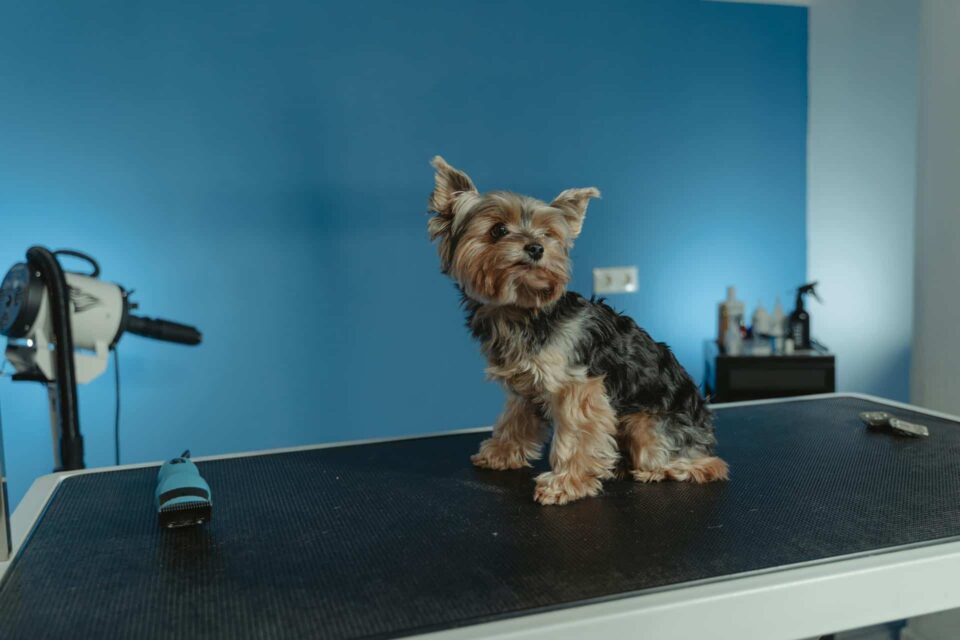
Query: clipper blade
point(184, 514)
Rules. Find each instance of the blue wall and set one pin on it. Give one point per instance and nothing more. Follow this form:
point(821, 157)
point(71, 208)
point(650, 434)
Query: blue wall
point(260, 170)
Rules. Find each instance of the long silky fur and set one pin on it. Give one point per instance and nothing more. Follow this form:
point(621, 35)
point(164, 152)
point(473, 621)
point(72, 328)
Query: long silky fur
point(612, 393)
point(640, 375)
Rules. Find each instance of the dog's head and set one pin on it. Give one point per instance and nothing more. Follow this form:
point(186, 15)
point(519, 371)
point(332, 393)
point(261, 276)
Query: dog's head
point(503, 248)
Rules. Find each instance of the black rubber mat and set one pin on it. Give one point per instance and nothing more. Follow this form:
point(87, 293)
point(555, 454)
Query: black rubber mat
point(404, 537)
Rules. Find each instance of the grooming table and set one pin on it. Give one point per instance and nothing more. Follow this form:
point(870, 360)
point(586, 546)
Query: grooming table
point(823, 526)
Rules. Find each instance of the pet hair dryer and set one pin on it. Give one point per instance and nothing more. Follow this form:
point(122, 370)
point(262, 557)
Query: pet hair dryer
point(47, 314)
point(60, 327)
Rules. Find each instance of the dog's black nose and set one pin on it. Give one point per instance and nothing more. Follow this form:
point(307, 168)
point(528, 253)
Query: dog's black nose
point(534, 250)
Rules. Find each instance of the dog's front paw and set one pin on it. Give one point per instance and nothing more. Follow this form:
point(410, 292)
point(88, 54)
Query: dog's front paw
point(561, 488)
point(500, 455)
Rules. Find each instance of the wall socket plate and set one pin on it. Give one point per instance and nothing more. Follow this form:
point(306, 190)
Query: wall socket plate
point(615, 280)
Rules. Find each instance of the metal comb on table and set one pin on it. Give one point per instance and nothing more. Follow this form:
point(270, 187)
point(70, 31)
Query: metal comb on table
point(881, 420)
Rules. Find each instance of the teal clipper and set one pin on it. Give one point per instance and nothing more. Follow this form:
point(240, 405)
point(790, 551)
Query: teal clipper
point(183, 496)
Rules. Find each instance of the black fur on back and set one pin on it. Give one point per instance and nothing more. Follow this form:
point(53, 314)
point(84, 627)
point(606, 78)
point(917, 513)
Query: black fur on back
point(640, 374)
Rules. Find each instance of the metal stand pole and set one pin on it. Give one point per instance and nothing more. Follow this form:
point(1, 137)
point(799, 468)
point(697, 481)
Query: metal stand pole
point(5, 541)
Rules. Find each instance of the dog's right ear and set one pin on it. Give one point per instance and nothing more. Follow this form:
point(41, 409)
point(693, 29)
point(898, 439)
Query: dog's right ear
point(450, 184)
point(451, 187)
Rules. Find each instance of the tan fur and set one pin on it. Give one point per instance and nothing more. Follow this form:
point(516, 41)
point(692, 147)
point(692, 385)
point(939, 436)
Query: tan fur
point(584, 450)
point(498, 272)
point(537, 376)
point(573, 202)
point(447, 200)
point(517, 438)
point(700, 470)
point(651, 461)
point(494, 268)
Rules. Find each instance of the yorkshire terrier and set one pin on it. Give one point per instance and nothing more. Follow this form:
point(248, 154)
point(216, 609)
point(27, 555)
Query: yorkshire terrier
point(602, 381)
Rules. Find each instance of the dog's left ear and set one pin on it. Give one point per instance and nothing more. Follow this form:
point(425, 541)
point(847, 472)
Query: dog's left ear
point(573, 203)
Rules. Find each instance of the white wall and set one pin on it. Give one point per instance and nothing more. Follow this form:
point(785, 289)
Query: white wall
point(861, 186)
point(935, 377)
point(936, 353)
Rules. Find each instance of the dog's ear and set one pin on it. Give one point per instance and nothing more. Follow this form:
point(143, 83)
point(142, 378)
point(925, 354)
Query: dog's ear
point(573, 203)
point(450, 184)
point(451, 187)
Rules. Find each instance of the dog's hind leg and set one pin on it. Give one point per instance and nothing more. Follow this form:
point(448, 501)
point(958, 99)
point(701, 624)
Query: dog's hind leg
point(705, 468)
point(654, 455)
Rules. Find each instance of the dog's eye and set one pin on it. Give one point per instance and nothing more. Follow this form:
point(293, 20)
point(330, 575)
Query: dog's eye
point(499, 230)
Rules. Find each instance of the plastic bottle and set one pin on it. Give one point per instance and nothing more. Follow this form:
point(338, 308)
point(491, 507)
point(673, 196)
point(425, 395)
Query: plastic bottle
point(788, 347)
point(731, 312)
point(761, 321)
point(733, 341)
point(760, 326)
point(778, 326)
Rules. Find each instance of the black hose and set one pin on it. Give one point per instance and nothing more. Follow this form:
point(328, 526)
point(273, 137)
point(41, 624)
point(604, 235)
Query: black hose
point(71, 442)
point(83, 256)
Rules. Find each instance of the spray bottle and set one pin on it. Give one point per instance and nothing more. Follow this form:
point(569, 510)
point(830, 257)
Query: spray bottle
point(800, 319)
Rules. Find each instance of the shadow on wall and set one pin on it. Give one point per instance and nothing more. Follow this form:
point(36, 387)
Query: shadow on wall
point(262, 173)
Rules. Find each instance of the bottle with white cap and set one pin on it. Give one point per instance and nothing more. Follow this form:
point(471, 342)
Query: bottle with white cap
point(761, 321)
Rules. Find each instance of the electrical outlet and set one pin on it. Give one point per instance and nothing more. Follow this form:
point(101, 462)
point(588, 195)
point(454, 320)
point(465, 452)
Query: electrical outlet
point(615, 280)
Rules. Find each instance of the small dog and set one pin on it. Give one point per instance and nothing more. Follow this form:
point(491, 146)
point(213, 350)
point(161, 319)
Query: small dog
point(603, 382)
